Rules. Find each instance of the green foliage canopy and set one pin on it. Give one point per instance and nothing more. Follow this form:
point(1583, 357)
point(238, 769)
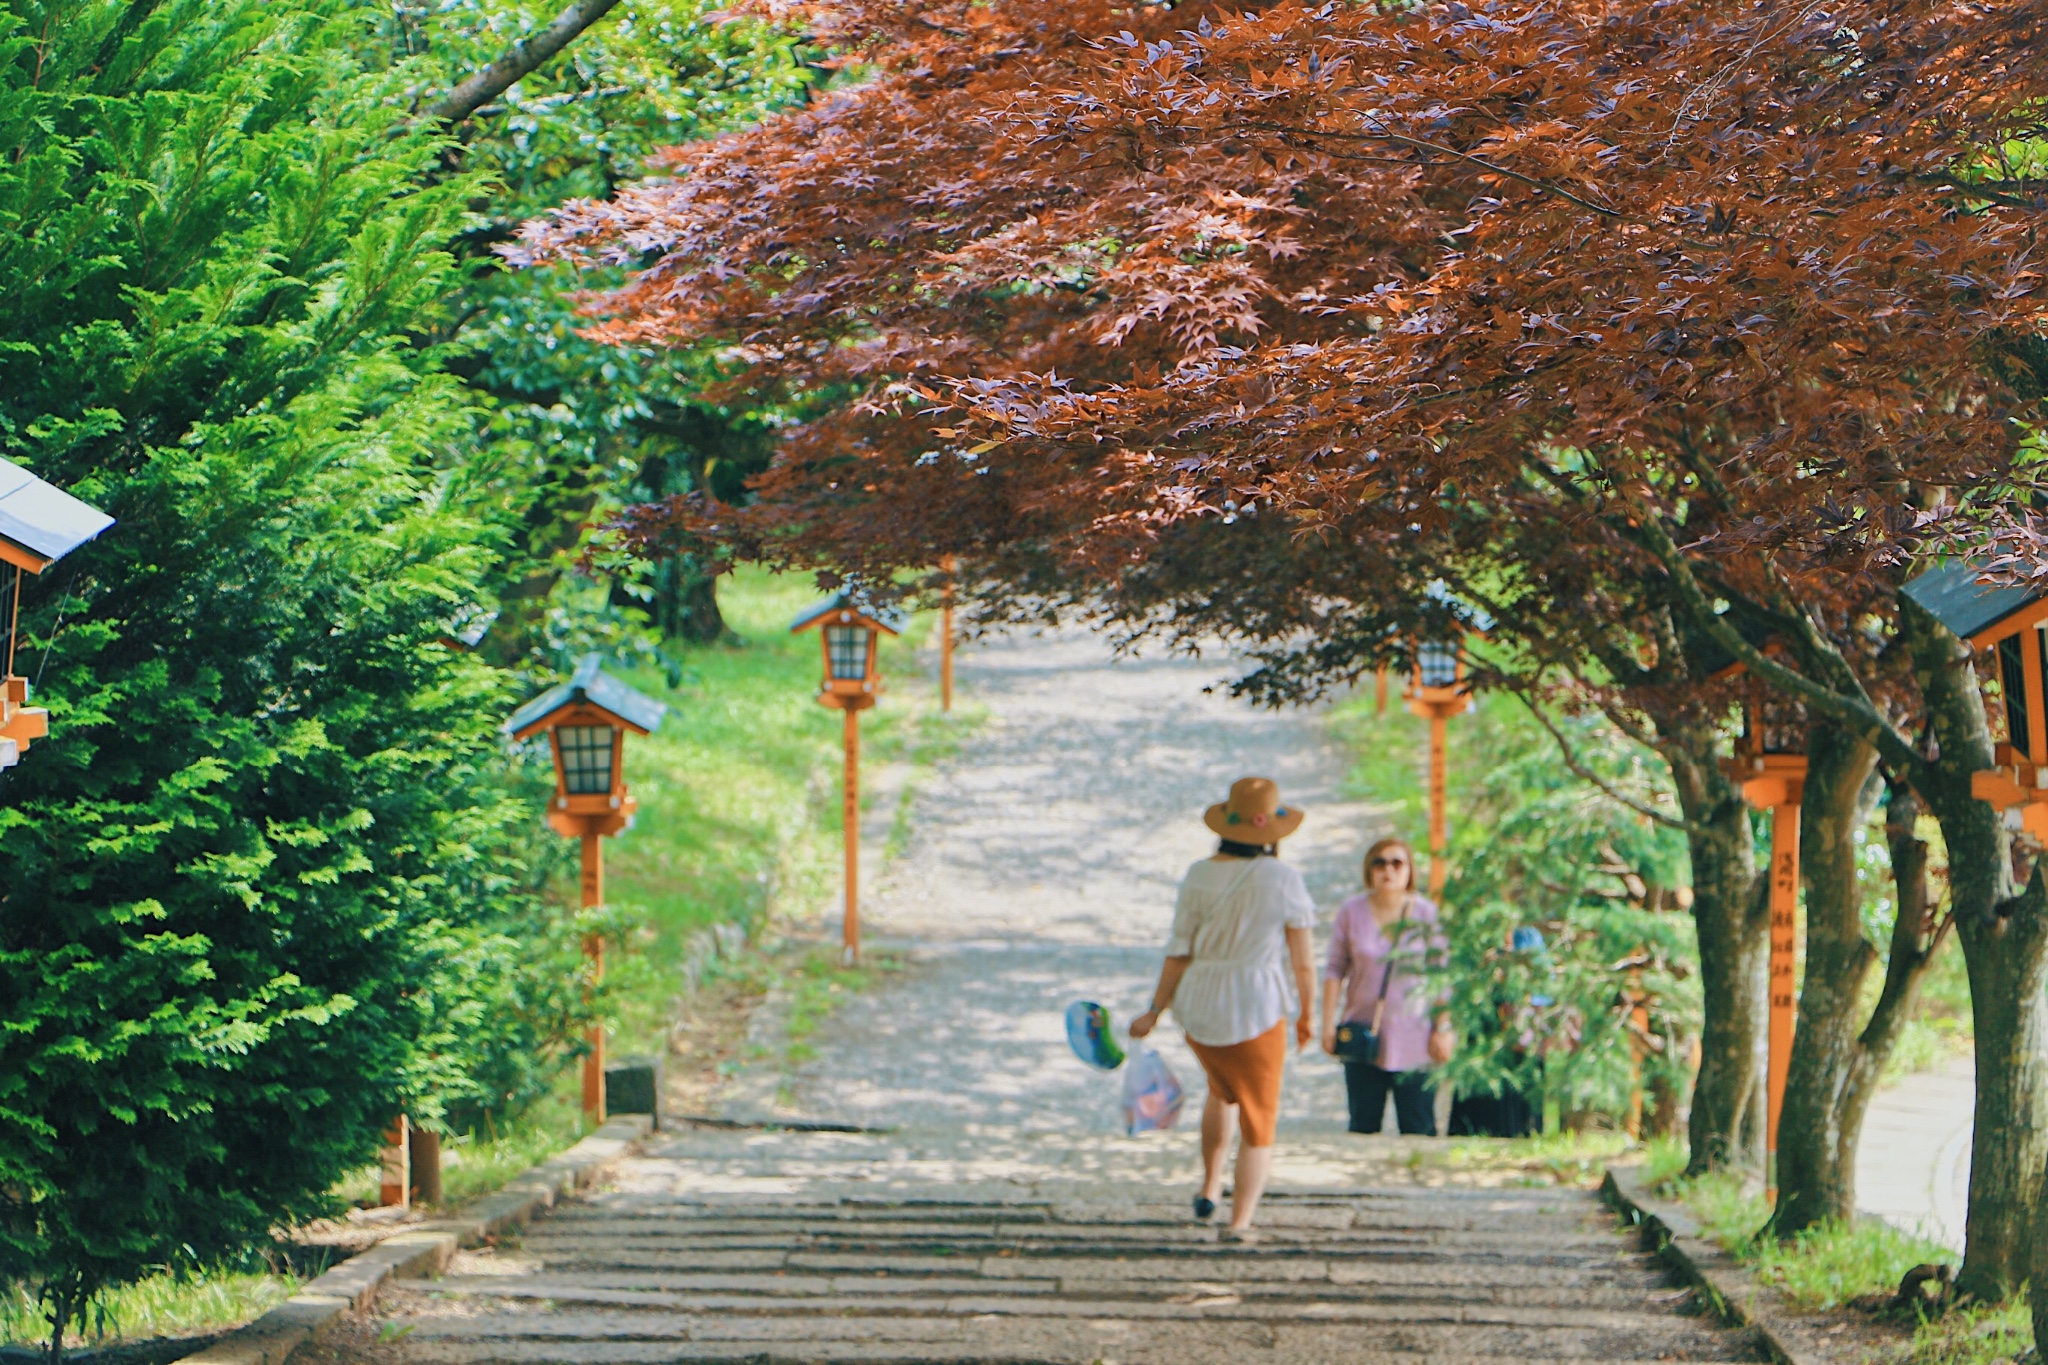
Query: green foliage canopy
point(262, 877)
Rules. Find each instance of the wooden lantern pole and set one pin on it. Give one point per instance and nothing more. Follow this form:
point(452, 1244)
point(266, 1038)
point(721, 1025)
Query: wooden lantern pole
point(394, 1160)
point(946, 637)
point(1776, 782)
point(1439, 780)
point(1380, 691)
point(850, 929)
point(1784, 999)
point(593, 948)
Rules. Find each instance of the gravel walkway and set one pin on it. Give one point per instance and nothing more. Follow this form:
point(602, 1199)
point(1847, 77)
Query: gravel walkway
point(1042, 870)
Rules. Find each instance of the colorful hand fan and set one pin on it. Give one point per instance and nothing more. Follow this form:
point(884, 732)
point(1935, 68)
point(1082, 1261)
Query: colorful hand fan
point(1090, 1035)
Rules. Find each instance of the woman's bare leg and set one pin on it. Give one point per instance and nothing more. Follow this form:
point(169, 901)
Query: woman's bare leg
point(1253, 1164)
point(1218, 1119)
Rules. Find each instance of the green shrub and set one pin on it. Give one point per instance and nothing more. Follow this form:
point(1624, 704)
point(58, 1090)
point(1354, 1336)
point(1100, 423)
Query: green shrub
point(270, 879)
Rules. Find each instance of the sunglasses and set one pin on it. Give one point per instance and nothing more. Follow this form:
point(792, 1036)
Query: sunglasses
point(1388, 862)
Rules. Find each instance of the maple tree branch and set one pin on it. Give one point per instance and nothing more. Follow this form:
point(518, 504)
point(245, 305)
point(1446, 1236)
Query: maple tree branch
point(1859, 714)
point(1585, 774)
point(1629, 727)
point(520, 59)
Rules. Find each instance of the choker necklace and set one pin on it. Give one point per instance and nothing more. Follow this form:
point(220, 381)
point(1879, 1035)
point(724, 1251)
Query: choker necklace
point(1230, 848)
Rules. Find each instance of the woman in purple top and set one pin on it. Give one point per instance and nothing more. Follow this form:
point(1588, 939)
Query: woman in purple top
point(1388, 918)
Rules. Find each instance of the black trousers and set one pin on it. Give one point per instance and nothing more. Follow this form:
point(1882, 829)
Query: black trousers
point(1414, 1098)
point(1508, 1114)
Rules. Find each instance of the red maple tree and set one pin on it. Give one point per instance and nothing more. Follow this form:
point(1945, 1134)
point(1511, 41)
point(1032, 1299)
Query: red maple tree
point(1735, 299)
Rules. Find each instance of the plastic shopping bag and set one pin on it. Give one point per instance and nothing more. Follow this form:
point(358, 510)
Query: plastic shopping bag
point(1152, 1095)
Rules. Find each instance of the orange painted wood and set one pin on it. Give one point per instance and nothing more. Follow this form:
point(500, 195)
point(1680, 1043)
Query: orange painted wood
point(593, 948)
point(1784, 996)
point(946, 640)
point(1438, 782)
point(850, 932)
point(394, 1159)
point(22, 558)
point(2033, 614)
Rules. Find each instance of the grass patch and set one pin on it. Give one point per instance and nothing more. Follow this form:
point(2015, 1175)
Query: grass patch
point(739, 789)
point(166, 1305)
point(1976, 1335)
point(1821, 1268)
point(818, 986)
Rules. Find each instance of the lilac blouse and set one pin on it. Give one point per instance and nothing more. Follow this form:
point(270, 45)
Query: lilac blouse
point(1358, 959)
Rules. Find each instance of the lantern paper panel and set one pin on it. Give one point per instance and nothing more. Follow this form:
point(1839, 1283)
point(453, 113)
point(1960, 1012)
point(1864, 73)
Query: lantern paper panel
point(1436, 663)
point(846, 649)
point(586, 758)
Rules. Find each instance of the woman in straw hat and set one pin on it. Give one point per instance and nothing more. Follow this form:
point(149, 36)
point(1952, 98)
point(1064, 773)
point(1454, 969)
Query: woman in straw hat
point(1241, 924)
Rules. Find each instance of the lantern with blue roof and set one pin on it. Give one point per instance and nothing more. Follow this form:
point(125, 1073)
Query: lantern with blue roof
point(2011, 625)
point(39, 524)
point(586, 720)
point(1437, 690)
point(850, 631)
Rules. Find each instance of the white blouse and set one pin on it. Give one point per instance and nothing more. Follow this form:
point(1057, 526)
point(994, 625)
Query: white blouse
point(1232, 918)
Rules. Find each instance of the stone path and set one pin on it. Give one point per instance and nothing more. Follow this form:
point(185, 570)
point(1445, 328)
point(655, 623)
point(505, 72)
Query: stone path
point(988, 1208)
point(1042, 869)
point(1913, 1165)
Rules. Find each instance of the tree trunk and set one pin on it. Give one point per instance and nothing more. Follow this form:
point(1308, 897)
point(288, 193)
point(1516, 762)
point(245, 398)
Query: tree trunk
point(686, 601)
point(2003, 946)
point(1732, 918)
point(1912, 953)
point(1816, 1154)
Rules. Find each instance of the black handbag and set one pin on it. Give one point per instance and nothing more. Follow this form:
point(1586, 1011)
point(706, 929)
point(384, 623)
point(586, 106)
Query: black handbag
point(1359, 1041)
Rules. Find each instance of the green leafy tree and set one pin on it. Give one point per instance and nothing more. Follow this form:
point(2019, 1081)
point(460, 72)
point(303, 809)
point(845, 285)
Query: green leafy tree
point(1541, 848)
point(270, 860)
point(575, 430)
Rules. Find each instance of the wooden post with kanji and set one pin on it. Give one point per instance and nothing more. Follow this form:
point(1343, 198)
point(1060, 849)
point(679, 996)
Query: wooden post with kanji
point(1771, 772)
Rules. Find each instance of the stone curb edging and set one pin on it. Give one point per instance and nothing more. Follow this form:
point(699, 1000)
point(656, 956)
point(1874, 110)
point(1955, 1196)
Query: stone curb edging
point(1672, 1233)
point(423, 1251)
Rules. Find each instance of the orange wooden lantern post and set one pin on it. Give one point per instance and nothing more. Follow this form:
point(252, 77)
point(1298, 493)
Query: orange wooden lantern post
point(2009, 622)
point(39, 524)
point(1770, 767)
point(951, 564)
point(586, 720)
point(850, 634)
point(1436, 692)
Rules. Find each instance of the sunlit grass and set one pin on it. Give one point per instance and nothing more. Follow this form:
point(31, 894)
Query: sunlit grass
point(818, 986)
point(1823, 1267)
point(1976, 1335)
point(739, 788)
point(195, 1304)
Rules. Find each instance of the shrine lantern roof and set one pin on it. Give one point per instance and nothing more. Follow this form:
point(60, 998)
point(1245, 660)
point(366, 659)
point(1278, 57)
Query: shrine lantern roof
point(882, 618)
point(39, 522)
point(1981, 613)
point(590, 685)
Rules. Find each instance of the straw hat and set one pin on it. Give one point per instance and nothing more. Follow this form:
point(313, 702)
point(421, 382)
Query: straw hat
point(1253, 814)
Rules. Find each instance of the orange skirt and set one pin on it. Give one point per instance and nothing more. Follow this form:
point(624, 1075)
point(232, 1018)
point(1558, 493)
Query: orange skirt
point(1247, 1074)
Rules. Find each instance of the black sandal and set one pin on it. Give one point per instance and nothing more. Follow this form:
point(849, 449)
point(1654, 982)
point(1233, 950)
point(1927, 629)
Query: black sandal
point(1205, 1209)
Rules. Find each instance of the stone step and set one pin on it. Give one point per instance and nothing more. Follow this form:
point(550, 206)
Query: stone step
point(1213, 1260)
point(800, 1291)
point(1062, 1239)
point(1336, 1220)
point(571, 1335)
point(1216, 1302)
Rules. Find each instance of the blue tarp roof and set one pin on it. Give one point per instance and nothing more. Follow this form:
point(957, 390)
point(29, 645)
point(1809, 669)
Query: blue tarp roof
point(590, 683)
point(1954, 597)
point(42, 518)
point(887, 618)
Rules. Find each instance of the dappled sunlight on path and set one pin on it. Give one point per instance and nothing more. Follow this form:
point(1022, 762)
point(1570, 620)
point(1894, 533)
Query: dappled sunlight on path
point(1041, 869)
